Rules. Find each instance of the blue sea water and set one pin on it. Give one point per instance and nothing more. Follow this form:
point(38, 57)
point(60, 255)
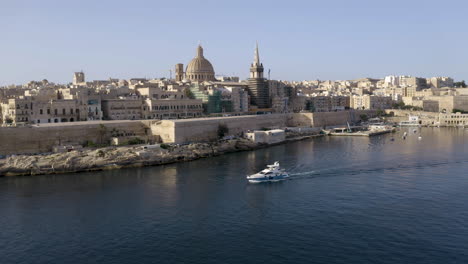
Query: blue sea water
point(349, 200)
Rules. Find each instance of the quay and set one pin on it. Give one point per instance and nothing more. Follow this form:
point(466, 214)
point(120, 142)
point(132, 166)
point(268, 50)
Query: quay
point(373, 130)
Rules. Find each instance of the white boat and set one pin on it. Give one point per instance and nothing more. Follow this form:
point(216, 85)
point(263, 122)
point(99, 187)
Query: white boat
point(272, 173)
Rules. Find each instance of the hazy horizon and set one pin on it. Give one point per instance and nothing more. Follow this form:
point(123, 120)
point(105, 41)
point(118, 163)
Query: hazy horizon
point(298, 40)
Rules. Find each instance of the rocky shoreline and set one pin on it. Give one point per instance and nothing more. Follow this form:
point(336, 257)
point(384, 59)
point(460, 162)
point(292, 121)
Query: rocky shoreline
point(124, 157)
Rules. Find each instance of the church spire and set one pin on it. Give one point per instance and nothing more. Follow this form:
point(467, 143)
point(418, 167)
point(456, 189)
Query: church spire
point(257, 56)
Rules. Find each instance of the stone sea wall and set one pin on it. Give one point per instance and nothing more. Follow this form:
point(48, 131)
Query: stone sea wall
point(42, 138)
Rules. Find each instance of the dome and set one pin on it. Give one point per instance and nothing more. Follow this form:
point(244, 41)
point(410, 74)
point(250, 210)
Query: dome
point(199, 69)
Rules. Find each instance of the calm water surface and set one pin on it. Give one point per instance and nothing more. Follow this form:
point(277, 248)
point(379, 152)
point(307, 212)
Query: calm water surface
point(349, 200)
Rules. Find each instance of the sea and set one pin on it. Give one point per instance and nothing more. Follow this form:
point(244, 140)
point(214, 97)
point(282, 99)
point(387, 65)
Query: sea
point(382, 199)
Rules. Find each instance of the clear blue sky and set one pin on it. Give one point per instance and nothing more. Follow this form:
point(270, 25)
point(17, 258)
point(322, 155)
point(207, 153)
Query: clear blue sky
point(298, 40)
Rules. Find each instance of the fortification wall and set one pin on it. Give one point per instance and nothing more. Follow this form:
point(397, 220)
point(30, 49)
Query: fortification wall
point(205, 129)
point(406, 113)
point(324, 119)
point(42, 138)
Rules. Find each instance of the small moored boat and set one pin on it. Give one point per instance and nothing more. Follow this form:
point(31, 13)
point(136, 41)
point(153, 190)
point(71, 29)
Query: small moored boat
point(272, 173)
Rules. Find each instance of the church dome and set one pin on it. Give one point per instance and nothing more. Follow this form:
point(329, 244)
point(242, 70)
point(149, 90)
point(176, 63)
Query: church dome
point(199, 68)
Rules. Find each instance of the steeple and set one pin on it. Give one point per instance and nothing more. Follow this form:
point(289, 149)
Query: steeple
point(257, 56)
point(200, 51)
point(256, 69)
point(258, 86)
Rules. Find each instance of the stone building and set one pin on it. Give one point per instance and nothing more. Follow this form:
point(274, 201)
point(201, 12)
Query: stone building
point(123, 109)
point(371, 102)
point(32, 110)
point(439, 82)
point(453, 119)
point(329, 103)
point(79, 78)
point(172, 109)
point(179, 72)
point(239, 99)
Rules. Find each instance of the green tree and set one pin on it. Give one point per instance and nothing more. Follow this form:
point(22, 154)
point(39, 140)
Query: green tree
point(399, 105)
point(460, 84)
point(364, 117)
point(455, 110)
point(223, 130)
point(189, 94)
point(380, 112)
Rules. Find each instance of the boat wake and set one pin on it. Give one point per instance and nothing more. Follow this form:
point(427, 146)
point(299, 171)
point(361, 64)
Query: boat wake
point(354, 170)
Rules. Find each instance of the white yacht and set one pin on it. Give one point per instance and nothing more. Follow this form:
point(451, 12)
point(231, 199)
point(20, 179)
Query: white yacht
point(272, 173)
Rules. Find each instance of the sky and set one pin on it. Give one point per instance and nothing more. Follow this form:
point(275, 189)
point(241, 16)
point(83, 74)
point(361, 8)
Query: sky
point(298, 40)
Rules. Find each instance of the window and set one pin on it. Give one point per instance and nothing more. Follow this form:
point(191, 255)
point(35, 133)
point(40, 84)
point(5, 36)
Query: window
point(63, 111)
point(48, 112)
point(71, 111)
point(56, 113)
point(40, 111)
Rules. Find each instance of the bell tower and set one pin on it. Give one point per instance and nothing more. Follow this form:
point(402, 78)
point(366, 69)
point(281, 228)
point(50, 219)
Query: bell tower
point(258, 86)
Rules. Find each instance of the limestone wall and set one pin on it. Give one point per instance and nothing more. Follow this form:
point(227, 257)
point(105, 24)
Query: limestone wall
point(42, 138)
point(204, 129)
point(324, 119)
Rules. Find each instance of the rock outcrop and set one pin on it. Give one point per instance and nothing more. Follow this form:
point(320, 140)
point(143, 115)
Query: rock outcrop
point(120, 157)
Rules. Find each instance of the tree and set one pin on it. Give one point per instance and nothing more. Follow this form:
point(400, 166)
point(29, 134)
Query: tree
point(380, 112)
point(399, 105)
point(222, 130)
point(189, 94)
point(460, 84)
point(455, 110)
point(364, 117)
point(102, 132)
point(310, 106)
